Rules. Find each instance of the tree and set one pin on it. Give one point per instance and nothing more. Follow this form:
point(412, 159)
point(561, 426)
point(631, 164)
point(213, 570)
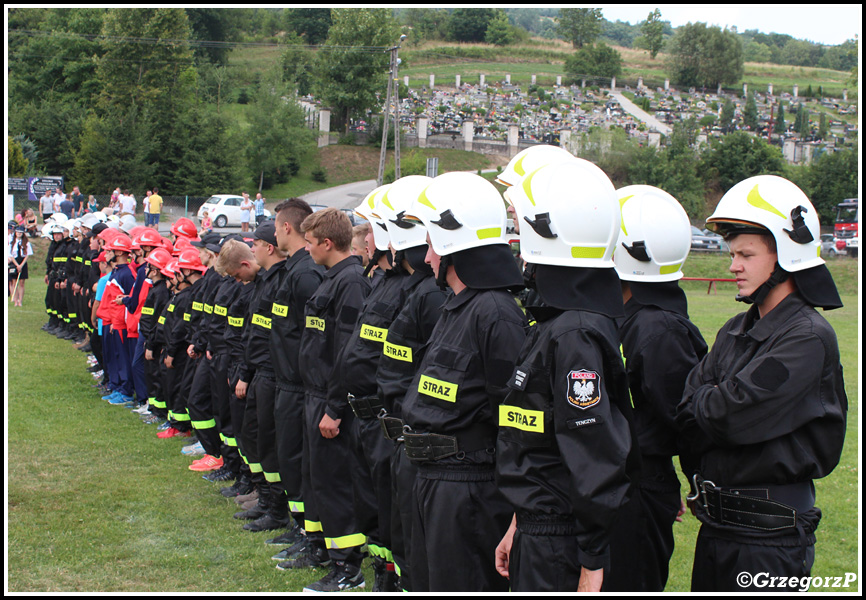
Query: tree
point(750, 113)
point(704, 56)
point(134, 72)
point(212, 25)
point(779, 123)
point(470, 24)
point(353, 80)
point(727, 116)
point(830, 179)
point(652, 30)
point(597, 60)
point(822, 127)
point(17, 163)
point(499, 31)
point(278, 135)
point(738, 156)
point(427, 24)
point(579, 25)
point(311, 23)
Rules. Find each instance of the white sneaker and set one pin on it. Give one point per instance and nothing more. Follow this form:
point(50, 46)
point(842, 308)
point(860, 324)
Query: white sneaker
point(98, 375)
point(193, 450)
point(144, 408)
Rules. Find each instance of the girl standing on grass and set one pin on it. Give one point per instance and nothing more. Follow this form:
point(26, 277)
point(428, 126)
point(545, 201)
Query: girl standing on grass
point(19, 250)
point(246, 209)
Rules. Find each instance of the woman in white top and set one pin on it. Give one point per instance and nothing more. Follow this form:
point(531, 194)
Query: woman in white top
point(19, 250)
point(246, 209)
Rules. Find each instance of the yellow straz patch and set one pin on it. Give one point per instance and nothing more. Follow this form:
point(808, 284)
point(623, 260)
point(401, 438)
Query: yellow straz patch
point(220, 310)
point(279, 310)
point(236, 321)
point(443, 390)
point(316, 323)
point(161, 320)
point(394, 351)
point(521, 418)
point(375, 334)
point(262, 321)
point(146, 310)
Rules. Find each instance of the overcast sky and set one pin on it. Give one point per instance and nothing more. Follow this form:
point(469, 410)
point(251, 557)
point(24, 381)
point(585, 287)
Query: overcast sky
point(823, 23)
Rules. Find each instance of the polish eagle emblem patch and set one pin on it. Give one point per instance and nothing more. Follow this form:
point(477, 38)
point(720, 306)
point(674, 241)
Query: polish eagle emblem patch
point(584, 389)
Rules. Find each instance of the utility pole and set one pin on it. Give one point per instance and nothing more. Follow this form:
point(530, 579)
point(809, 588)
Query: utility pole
point(392, 92)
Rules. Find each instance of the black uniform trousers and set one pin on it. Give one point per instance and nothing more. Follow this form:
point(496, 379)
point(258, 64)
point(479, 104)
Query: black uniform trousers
point(403, 473)
point(543, 563)
point(264, 391)
point(175, 399)
point(372, 483)
point(236, 409)
point(642, 538)
point(222, 412)
point(154, 378)
point(331, 462)
point(200, 406)
point(249, 438)
point(460, 518)
point(721, 556)
point(289, 425)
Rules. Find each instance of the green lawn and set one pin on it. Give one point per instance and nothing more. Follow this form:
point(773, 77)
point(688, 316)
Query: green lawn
point(97, 503)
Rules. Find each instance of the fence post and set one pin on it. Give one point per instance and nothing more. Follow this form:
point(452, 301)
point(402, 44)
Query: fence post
point(185, 205)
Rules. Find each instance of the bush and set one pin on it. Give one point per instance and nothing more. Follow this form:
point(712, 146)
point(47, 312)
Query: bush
point(320, 175)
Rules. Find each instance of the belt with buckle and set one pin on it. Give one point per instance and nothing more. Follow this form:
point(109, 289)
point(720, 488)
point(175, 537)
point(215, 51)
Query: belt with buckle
point(436, 446)
point(753, 506)
point(367, 407)
point(392, 427)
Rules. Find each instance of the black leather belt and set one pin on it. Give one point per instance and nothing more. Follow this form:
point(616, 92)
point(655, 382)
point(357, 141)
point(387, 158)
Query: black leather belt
point(392, 427)
point(762, 507)
point(435, 446)
point(367, 407)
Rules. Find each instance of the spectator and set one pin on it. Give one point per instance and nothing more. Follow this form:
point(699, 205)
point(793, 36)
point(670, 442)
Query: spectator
point(206, 224)
point(46, 206)
point(78, 202)
point(114, 204)
point(19, 251)
point(259, 205)
point(246, 208)
point(59, 197)
point(67, 207)
point(126, 203)
point(92, 204)
point(152, 208)
point(30, 221)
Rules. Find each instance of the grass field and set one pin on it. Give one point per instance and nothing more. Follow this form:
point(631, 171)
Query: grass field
point(97, 503)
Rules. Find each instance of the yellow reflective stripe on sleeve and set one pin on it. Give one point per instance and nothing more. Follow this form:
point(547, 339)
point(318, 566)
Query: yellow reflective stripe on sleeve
point(220, 310)
point(236, 321)
point(262, 321)
point(312, 526)
point(197, 306)
point(272, 477)
point(204, 424)
point(171, 307)
point(396, 352)
point(187, 316)
point(346, 541)
point(521, 418)
point(145, 310)
point(279, 310)
point(87, 263)
point(161, 320)
point(444, 390)
point(78, 259)
point(316, 323)
point(208, 308)
point(375, 334)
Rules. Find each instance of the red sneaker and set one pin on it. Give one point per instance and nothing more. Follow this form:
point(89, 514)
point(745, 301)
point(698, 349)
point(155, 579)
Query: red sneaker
point(172, 432)
point(208, 463)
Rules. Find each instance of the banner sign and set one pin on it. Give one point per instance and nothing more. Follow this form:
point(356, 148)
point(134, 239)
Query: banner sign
point(34, 186)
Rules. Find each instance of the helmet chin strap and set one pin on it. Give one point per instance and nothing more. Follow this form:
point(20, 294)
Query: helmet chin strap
point(444, 263)
point(759, 295)
point(377, 254)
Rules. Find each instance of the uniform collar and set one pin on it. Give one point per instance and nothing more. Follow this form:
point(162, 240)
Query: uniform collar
point(274, 269)
point(343, 264)
point(455, 301)
point(296, 258)
point(760, 329)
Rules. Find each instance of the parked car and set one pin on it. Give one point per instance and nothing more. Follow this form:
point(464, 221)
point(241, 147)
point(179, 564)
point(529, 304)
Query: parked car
point(828, 245)
point(707, 241)
point(225, 210)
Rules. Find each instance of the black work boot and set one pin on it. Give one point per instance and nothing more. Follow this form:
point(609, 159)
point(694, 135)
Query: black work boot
point(277, 515)
point(243, 485)
point(259, 509)
point(384, 579)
